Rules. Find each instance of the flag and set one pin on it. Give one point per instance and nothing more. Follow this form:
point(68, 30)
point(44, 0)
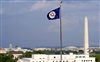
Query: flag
point(54, 14)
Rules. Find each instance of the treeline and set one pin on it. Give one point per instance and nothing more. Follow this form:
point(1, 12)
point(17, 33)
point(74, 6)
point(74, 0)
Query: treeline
point(28, 54)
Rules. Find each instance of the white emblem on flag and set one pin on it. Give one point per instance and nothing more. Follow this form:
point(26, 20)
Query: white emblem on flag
point(52, 14)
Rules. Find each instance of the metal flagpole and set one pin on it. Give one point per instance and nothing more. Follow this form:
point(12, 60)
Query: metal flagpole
point(60, 34)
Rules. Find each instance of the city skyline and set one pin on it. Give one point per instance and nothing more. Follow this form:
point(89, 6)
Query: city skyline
point(25, 23)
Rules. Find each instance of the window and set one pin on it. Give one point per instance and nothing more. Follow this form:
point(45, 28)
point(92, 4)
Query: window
point(80, 56)
point(54, 57)
point(66, 61)
point(83, 56)
point(76, 56)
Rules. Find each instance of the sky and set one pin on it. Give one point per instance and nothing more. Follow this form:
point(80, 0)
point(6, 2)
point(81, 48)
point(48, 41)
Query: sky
point(24, 23)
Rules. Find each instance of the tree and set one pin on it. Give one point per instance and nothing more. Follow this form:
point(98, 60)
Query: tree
point(27, 54)
point(80, 51)
point(6, 58)
point(97, 57)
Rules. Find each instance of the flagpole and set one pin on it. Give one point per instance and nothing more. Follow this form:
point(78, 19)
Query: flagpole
point(60, 34)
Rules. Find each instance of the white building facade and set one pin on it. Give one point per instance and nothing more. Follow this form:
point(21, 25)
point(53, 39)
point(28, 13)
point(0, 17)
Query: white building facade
point(56, 58)
point(2, 50)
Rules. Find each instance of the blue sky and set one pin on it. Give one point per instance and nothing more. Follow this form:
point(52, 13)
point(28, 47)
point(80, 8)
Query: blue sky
point(24, 23)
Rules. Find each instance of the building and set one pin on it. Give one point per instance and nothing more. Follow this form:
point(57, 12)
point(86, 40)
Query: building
point(17, 49)
point(42, 49)
point(72, 48)
point(37, 49)
point(16, 54)
point(10, 47)
point(56, 58)
point(21, 49)
point(2, 50)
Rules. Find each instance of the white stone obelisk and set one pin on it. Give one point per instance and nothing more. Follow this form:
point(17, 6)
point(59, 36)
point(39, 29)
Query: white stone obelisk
point(86, 38)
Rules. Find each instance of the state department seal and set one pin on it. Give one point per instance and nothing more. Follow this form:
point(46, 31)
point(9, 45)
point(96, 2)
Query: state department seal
point(52, 14)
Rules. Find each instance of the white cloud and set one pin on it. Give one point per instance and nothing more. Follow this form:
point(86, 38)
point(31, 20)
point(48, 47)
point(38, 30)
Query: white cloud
point(40, 5)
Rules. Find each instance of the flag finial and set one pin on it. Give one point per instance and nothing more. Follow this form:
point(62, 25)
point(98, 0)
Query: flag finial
point(60, 2)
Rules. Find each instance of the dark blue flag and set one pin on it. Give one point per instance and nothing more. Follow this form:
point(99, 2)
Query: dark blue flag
point(54, 14)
